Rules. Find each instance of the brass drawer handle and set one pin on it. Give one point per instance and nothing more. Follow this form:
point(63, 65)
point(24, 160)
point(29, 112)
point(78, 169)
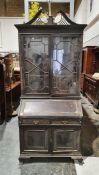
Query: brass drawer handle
point(65, 122)
point(35, 122)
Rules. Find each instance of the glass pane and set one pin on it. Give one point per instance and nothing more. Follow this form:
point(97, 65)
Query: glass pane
point(36, 64)
point(66, 56)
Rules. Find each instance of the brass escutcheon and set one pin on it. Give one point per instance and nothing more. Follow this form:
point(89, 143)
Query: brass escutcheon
point(35, 122)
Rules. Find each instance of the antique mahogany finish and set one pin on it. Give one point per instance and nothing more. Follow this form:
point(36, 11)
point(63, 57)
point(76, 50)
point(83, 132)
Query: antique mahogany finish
point(90, 65)
point(50, 109)
point(91, 87)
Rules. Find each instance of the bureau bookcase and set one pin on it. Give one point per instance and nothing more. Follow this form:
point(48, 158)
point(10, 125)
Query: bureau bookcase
point(50, 108)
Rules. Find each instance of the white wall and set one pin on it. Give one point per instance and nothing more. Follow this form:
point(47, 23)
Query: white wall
point(9, 34)
point(80, 16)
point(84, 15)
point(91, 36)
point(94, 12)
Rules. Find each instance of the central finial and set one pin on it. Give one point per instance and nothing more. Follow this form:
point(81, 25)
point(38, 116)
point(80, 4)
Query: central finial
point(49, 7)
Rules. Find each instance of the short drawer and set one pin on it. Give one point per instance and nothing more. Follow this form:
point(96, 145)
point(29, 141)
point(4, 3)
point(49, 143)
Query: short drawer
point(66, 122)
point(33, 121)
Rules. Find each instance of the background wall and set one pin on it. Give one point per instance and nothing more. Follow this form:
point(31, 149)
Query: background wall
point(9, 34)
point(90, 16)
point(11, 12)
point(81, 13)
point(94, 12)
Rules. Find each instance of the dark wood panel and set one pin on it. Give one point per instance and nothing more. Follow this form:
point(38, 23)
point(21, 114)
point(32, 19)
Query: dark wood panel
point(91, 87)
point(49, 139)
point(64, 140)
point(34, 139)
point(87, 60)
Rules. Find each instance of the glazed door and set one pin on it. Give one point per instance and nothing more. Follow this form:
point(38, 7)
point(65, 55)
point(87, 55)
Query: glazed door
point(66, 65)
point(36, 65)
point(51, 65)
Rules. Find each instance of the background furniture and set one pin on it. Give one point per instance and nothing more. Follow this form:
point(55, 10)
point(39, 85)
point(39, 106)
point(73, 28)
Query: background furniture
point(12, 85)
point(87, 64)
point(90, 64)
point(9, 86)
point(91, 87)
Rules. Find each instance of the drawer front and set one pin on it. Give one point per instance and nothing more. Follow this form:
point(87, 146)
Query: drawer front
point(33, 122)
point(34, 139)
point(37, 122)
point(66, 140)
point(67, 122)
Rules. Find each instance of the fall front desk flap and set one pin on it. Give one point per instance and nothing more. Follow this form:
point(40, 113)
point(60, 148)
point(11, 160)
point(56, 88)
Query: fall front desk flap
point(52, 108)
